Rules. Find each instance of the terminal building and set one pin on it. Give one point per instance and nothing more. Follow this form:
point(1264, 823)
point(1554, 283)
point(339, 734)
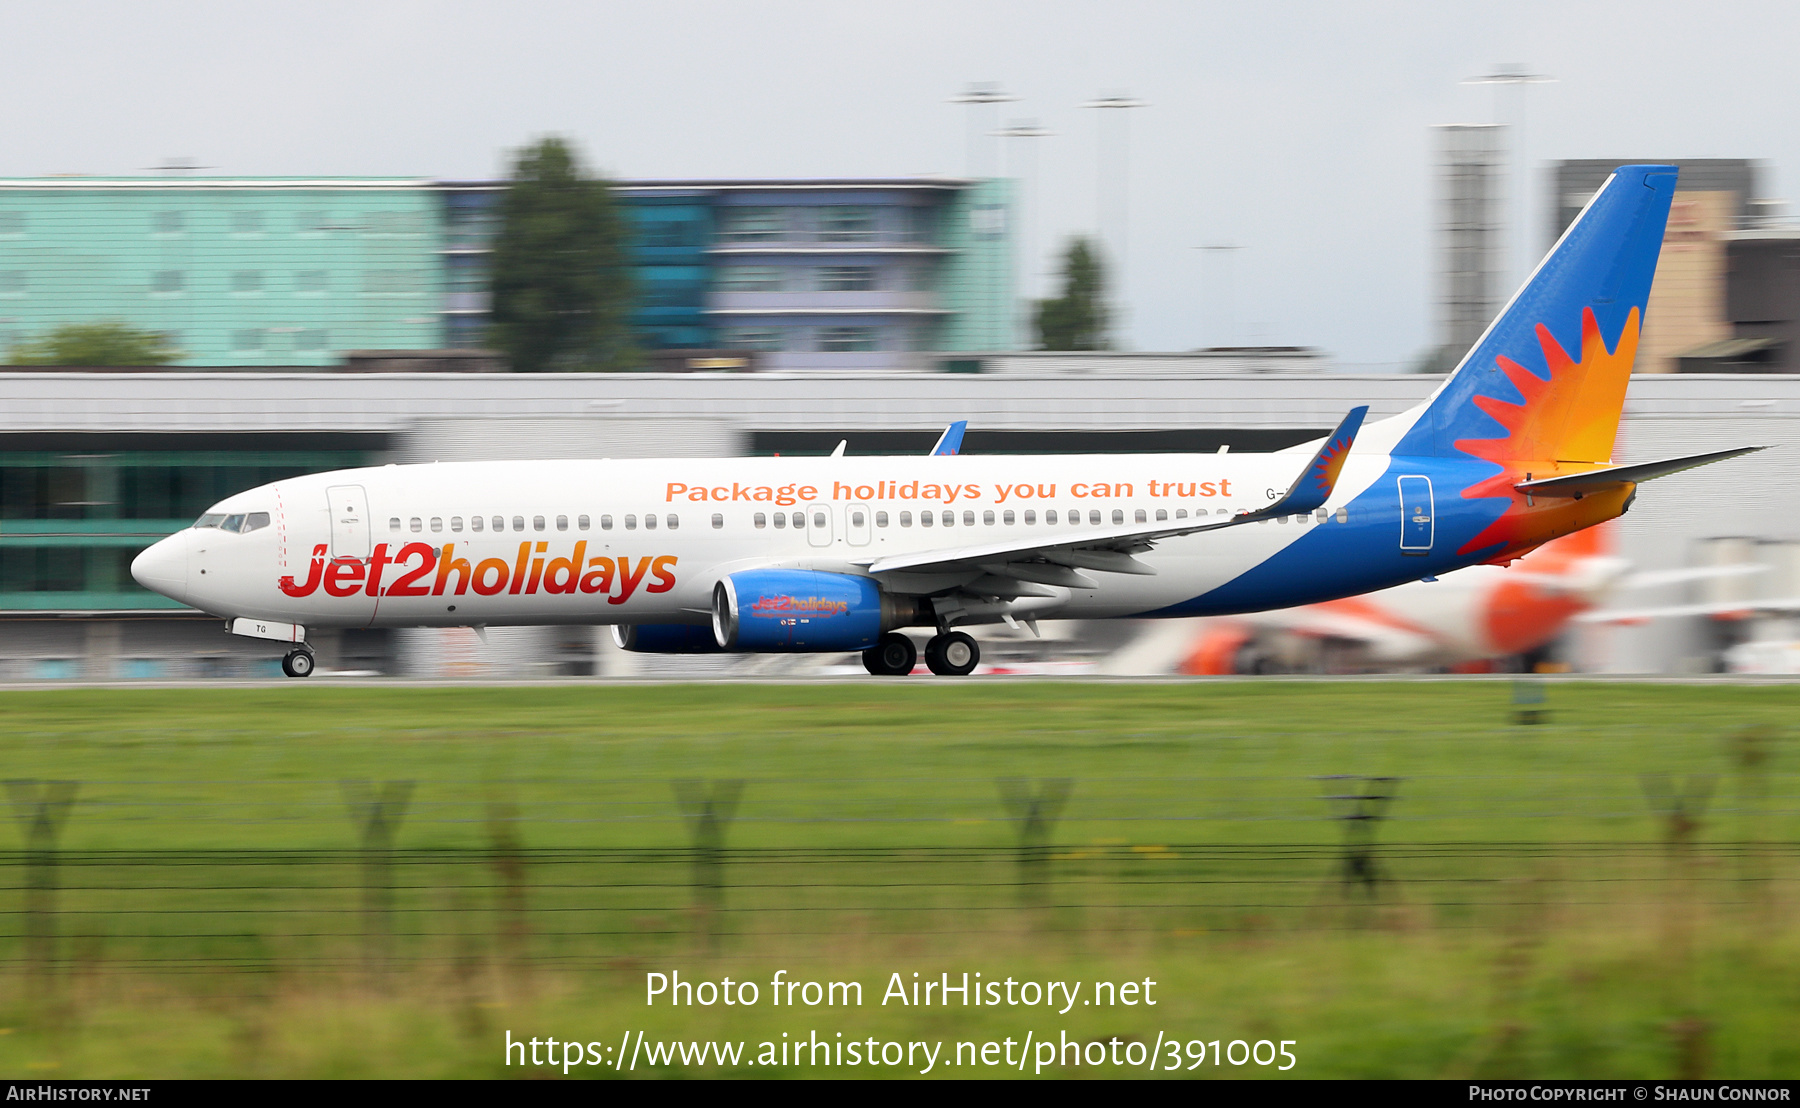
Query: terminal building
point(271, 272)
point(96, 466)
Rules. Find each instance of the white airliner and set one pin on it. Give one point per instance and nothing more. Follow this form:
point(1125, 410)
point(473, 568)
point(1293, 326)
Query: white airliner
point(844, 553)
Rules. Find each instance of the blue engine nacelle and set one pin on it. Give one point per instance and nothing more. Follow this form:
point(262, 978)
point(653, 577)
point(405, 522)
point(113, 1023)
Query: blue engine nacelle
point(797, 610)
point(665, 638)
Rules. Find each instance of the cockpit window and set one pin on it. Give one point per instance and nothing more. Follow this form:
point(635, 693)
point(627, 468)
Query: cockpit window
point(210, 519)
point(233, 523)
point(255, 521)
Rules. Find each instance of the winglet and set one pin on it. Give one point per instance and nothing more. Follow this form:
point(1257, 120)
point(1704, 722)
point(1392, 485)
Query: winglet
point(1313, 487)
point(950, 442)
point(1578, 485)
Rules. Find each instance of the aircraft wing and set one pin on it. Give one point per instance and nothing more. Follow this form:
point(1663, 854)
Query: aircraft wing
point(1109, 550)
point(1578, 485)
point(1712, 608)
point(950, 442)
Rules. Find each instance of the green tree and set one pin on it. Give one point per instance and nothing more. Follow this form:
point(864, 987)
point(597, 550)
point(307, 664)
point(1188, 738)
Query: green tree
point(561, 279)
point(1076, 320)
point(108, 342)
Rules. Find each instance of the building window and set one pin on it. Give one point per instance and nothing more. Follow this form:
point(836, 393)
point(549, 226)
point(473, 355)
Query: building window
point(847, 278)
point(12, 223)
point(766, 339)
point(248, 341)
point(844, 340)
point(167, 281)
point(246, 223)
point(168, 223)
point(751, 278)
point(247, 281)
point(310, 338)
point(12, 282)
point(846, 224)
point(309, 282)
point(753, 225)
point(392, 282)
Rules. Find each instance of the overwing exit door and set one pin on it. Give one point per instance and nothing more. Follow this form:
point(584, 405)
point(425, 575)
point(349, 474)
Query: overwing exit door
point(349, 521)
point(1416, 515)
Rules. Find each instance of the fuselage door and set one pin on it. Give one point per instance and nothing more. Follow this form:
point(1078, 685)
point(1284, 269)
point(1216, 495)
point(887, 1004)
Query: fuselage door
point(1416, 515)
point(349, 521)
point(856, 524)
point(818, 525)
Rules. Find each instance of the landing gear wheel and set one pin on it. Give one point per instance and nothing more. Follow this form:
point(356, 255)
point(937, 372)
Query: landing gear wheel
point(298, 663)
point(952, 655)
point(893, 656)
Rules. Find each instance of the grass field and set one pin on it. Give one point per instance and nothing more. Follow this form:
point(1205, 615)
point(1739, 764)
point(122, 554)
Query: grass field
point(1606, 894)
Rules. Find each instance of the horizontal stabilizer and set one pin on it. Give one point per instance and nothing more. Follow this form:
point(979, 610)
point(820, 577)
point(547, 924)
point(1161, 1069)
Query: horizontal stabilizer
point(1599, 480)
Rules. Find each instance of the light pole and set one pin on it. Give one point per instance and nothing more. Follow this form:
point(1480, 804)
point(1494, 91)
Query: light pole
point(1224, 251)
point(1516, 76)
point(976, 95)
point(1026, 293)
point(1113, 102)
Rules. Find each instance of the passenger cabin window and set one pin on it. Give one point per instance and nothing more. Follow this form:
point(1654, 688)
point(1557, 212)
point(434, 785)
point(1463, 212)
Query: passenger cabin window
point(780, 521)
point(562, 523)
point(605, 523)
point(415, 524)
point(759, 521)
point(718, 520)
point(537, 523)
point(950, 518)
point(437, 523)
point(475, 523)
point(925, 519)
point(800, 519)
point(1118, 515)
point(1161, 514)
point(1180, 513)
point(518, 523)
point(394, 523)
point(583, 522)
point(456, 524)
point(906, 519)
point(988, 518)
point(856, 519)
point(255, 521)
point(819, 519)
point(649, 521)
point(1031, 517)
point(1094, 517)
point(631, 523)
point(1139, 517)
point(499, 524)
point(1008, 517)
point(1343, 515)
point(881, 519)
point(1049, 516)
point(674, 521)
point(969, 519)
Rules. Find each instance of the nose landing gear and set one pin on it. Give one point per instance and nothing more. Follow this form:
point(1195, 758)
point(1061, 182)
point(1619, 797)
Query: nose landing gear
point(952, 654)
point(298, 663)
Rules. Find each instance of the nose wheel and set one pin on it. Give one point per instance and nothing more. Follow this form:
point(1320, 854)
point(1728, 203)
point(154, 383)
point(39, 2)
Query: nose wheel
point(298, 663)
point(893, 656)
point(952, 654)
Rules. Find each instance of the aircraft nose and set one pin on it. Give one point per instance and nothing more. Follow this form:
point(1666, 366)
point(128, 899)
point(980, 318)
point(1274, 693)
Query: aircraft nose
point(163, 568)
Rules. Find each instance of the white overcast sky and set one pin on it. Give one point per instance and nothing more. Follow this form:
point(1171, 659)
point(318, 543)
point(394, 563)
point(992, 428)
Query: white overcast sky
point(1298, 131)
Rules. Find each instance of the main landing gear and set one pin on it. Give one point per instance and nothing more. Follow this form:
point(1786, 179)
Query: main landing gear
point(893, 656)
point(952, 654)
point(298, 663)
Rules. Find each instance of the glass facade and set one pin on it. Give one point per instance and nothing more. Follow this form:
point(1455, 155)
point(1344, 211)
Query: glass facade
point(72, 520)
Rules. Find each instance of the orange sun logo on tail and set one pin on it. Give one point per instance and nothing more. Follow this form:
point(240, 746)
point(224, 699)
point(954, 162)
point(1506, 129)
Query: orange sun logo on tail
point(1566, 424)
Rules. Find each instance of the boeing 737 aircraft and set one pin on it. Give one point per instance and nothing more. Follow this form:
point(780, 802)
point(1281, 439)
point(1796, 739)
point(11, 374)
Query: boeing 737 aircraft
point(842, 554)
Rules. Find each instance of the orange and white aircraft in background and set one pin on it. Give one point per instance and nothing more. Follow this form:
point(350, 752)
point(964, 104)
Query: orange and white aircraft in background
point(1464, 620)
